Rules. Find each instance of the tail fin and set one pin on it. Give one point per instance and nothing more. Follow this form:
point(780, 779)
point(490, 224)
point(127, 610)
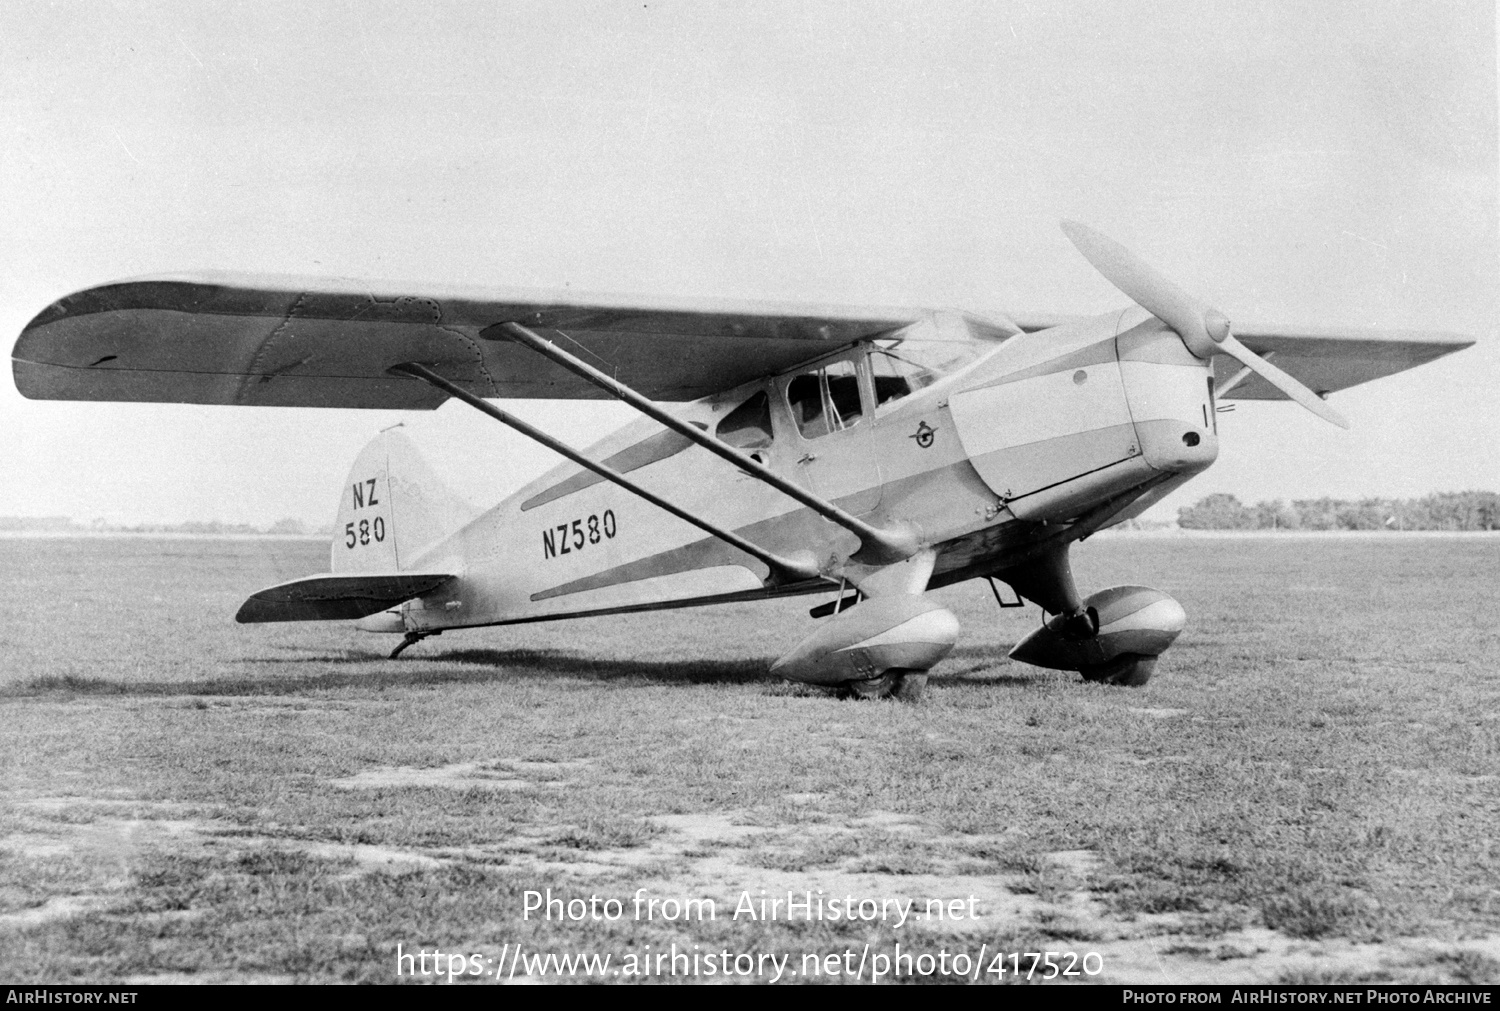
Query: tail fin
point(394, 509)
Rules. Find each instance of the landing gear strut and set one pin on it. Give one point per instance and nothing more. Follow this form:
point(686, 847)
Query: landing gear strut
point(1113, 637)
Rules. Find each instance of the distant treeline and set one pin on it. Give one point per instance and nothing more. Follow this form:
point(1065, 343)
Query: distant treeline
point(1459, 510)
point(65, 525)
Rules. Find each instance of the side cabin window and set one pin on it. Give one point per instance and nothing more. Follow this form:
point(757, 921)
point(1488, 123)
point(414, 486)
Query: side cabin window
point(902, 367)
point(748, 426)
point(826, 400)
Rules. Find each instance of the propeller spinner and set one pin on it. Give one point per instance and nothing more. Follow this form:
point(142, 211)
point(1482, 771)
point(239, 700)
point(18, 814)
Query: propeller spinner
point(1205, 330)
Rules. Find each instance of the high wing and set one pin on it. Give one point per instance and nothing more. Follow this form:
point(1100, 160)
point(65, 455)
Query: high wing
point(304, 342)
point(315, 342)
point(1326, 360)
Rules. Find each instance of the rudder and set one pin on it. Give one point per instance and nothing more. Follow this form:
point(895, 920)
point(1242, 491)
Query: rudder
point(393, 510)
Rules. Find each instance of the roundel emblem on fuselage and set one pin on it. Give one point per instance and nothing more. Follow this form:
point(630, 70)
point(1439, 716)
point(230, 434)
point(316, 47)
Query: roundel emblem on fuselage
point(924, 435)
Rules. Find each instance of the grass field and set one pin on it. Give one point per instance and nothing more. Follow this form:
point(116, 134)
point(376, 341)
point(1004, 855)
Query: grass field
point(1309, 790)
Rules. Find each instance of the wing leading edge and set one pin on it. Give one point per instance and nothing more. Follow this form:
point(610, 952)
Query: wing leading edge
point(302, 342)
point(1326, 359)
point(299, 342)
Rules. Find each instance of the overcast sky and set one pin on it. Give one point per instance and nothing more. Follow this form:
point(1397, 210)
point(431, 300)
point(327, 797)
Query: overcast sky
point(1289, 162)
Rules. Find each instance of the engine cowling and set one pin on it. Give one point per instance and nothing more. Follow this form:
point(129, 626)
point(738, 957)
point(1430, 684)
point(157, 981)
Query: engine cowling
point(1132, 621)
point(906, 631)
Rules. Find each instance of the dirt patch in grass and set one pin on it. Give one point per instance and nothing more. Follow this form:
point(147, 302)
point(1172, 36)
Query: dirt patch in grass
point(498, 774)
point(59, 907)
point(1049, 900)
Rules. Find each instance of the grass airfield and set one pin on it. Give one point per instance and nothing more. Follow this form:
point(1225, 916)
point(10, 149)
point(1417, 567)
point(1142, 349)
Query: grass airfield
point(1309, 790)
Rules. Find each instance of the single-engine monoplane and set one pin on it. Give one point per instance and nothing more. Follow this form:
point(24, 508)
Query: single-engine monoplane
point(871, 454)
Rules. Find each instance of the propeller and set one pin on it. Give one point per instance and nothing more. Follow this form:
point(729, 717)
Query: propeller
point(1204, 329)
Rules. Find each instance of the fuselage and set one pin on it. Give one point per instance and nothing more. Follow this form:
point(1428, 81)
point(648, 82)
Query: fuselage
point(984, 447)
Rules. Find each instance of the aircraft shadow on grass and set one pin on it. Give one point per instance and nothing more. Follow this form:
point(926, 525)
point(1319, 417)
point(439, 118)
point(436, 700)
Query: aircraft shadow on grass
point(476, 666)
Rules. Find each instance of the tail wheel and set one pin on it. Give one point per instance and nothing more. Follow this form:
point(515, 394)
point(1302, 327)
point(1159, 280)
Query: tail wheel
point(896, 683)
point(1132, 670)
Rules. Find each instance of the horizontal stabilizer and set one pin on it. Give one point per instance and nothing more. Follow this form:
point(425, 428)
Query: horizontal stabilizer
point(327, 598)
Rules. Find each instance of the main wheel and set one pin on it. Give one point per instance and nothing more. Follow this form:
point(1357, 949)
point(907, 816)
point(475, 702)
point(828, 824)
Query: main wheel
point(1132, 670)
point(896, 683)
point(911, 686)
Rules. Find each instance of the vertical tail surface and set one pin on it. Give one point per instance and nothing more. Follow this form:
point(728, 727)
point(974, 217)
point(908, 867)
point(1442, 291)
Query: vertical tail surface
point(394, 509)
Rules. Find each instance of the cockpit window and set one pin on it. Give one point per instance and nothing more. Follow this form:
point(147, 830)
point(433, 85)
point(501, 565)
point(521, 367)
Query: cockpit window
point(825, 401)
point(804, 394)
point(748, 426)
point(843, 393)
point(900, 367)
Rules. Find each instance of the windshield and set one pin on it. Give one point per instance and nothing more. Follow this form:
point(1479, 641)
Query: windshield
point(900, 367)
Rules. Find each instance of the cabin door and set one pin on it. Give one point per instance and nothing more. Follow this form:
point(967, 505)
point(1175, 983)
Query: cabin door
point(829, 407)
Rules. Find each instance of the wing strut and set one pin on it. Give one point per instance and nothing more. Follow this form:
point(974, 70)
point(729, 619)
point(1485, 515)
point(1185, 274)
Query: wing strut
point(783, 570)
point(879, 546)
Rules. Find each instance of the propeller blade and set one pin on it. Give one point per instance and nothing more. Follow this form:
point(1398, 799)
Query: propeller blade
point(1204, 329)
point(1144, 285)
point(1283, 382)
